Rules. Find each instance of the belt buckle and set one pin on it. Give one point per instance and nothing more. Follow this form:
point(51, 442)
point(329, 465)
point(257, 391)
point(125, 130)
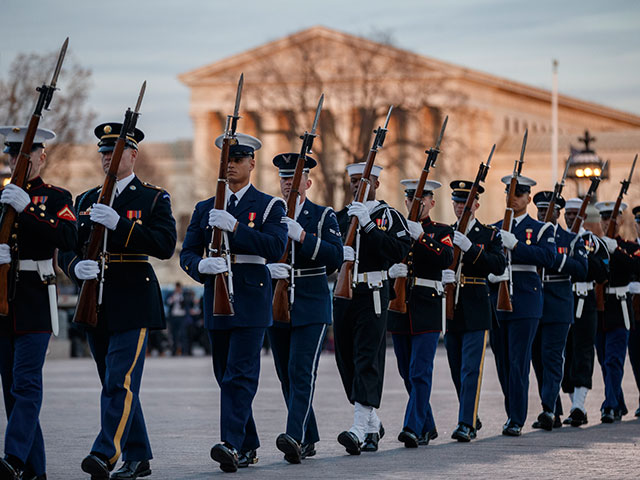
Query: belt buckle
point(106, 257)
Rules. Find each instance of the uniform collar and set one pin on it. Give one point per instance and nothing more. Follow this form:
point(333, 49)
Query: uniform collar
point(123, 182)
point(299, 207)
point(239, 194)
point(34, 183)
point(520, 218)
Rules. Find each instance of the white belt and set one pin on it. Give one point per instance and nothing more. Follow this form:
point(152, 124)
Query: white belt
point(425, 282)
point(255, 259)
point(581, 289)
point(48, 276)
point(374, 282)
point(556, 278)
point(621, 294)
point(524, 268)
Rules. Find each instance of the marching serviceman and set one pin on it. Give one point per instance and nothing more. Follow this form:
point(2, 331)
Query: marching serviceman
point(257, 236)
point(532, 245)
point(360, 324)
point(557, 314)
point(474, 315)
point(45, 221)
point(580, 349)
point(297, 345)
point(416, 333)
point(139, 225)
point(634, 334)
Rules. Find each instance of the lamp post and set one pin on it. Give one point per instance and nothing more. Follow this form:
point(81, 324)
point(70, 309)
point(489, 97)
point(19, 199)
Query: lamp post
point(586, 163)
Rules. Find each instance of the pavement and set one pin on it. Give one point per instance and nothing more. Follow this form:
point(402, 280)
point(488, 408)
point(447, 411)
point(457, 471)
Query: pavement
point(181, 405)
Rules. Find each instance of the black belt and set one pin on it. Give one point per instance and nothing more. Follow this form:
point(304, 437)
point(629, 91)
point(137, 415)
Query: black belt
point(125, 257)
point(309, 272)
point(556, 278)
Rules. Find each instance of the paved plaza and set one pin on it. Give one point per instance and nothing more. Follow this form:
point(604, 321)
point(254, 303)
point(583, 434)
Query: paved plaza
point(181, 406)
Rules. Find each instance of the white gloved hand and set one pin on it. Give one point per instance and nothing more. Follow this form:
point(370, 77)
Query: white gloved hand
point(104, 215)
point(348, 254)
point(448, 276)
point(415, 229)
point(509, 240)
point(498, 278)
point(294, 229)
point(212, 265)
point(398, 270)
point(360, 210)
point(461, 240)
point(5, 253)
point(87, 269)
point(634, 287)
point(16, 197)
point(222, 219)
point(610, 243)
point(279, 270)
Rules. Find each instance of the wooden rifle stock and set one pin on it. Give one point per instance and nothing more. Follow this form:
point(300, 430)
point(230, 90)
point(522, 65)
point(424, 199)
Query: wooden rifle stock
point(504, 298)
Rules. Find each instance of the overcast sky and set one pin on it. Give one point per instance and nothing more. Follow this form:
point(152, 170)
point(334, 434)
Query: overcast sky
point(124, 42)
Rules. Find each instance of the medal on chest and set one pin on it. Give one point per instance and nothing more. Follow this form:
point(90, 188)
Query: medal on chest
point(39, 200)
point(528, 235)
point(252, 217)
point(382, 223)
point(135, 215)
point(563, 249)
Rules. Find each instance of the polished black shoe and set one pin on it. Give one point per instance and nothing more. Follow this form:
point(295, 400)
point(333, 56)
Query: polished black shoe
point(512, 430)
point(478, 424)
point(409, 439)
point(557, 422)
point(637, 414)
point(617, 415)
point(247, 458)
point(8, 471)
point(96, 467)
point(307, 450)
point(567, 421)
point(545, 421)
point(226, 456)
point(131, 470)
point(290, 447)
point(576, 418)
point(371, 440)
point(426, 438)
point(350, 441)
point(607, 416)
point(462, 433)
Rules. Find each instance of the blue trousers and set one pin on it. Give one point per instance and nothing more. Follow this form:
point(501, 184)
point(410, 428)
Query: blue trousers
point(21, 361)
point(511, 344)
point(465, 351)
point(236, 366)
point(415, 355)
point(548, 362)
point(119, 358)
point(611, 348)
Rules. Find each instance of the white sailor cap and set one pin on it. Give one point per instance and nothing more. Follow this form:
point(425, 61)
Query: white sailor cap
point(573, 204)
point(14, 135)
point(358, 169)
point(524, 183)
point(606, 208)
point(410, 185)
point(245, 147)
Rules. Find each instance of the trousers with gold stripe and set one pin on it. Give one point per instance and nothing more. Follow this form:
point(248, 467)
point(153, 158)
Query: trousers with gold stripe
point(119, 357)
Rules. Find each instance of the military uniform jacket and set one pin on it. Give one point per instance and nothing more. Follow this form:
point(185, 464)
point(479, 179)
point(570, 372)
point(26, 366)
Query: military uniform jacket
point(47, 223)
point(429, 255)
point(259, 232)
point(570, 266)
point(131, 297)
point(322, 247)
point(537, 247)
point(474, 310)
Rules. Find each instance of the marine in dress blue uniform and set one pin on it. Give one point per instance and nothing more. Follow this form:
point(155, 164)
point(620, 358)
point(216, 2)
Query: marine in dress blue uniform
point(416, 333)
point(634, 334)
point(139, 225)
point(474, 314)
point(256, 236)
point(531, 245)
point(297, 345)
point(46, 221)
point(557, 314)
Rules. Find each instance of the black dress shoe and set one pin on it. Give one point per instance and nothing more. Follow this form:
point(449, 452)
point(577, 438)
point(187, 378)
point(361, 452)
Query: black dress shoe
point(576, 418)
point(307, 450)
point(350, 441)
point(567, 421)
point(371, 440)
point(512, 430)
point(31, 476)
point(607, 415)
point(131, 470)
point(557, 421)
point(290, 447)
point(96, 467)
point(478, 423)
point(545, 421)
point(637, 414)
point(247, 458)
point(427, 437)
point(8, 471)
point(409, 439)
point(617, 415)
point(226, 456)
point(462, 433)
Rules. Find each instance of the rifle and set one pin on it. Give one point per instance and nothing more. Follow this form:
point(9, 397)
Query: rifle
point(90, 297)
point(399, 304)
point(506, 288)
point(557, 192)
point(582, 213)
point(219, 246)
point(282, 303)
point(345, 279)
point(9, 216)
point(463, 222)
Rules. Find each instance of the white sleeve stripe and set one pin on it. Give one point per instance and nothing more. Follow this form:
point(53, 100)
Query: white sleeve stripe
point(316, 250)
point(270, 206)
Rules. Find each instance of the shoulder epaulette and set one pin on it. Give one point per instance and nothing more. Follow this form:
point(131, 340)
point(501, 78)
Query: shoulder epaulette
point(155, 187)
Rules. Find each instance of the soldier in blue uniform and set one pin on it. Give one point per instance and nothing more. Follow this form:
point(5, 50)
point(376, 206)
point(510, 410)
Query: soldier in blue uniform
point(416, 333)
point(360, 324)
point(580, 352)
point(634, 334)
point(297, 345)
point(46, 221)
point(557, 314)
point(531, 245)
point(474, 315)
point(257, 236)
point(139, 225)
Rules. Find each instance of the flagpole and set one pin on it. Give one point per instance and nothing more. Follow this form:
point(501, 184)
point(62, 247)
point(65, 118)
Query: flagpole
point(554, 124)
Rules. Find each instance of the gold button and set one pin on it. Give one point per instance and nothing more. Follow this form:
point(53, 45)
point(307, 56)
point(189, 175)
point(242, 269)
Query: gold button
point(147, 279)
point(28, 186)
point(31, 209)
point(51, 220)
point(42, 214)
point(410, 254)
point(186, 267)
point(261, 284)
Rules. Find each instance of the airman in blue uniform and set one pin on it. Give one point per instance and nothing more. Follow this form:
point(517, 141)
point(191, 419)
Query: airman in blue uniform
point(253, 224)
point(297, 345)
point(634, 334)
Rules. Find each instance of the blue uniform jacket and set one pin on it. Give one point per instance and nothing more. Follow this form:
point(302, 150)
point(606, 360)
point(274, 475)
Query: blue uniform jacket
point(536, 246)
point(267, 237)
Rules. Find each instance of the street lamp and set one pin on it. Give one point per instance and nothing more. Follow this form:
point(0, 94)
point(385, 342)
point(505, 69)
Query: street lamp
point(586, 163)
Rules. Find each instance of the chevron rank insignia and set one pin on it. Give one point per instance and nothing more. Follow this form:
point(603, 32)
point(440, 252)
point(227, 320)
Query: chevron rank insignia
point(66, 214)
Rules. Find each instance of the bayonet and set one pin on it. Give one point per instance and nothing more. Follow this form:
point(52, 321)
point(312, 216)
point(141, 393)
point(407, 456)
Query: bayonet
point(236, 109)
point(444, 125)
point(633, 166)
point(140, 97)
point(524, 146)
point(493, 149)
point(48, 90)
point(317, 117)
point(566, 170)
point(386, 122)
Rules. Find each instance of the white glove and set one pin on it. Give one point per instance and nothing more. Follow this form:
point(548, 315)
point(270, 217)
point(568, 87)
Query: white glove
point(509, 240)
point(87, 269)
point(634, 287)
point(415, 229)
point(498, 278)
point(360, 210)
point(294, 228)
point(279, 270)
point(222, 219)
point(461, 241)
point(349, 254)
point(104, 215)
point(449, 276)
point(610, 243)
point(212, 265)
point(5, 253)
point(398, 270)
point(16, 197)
